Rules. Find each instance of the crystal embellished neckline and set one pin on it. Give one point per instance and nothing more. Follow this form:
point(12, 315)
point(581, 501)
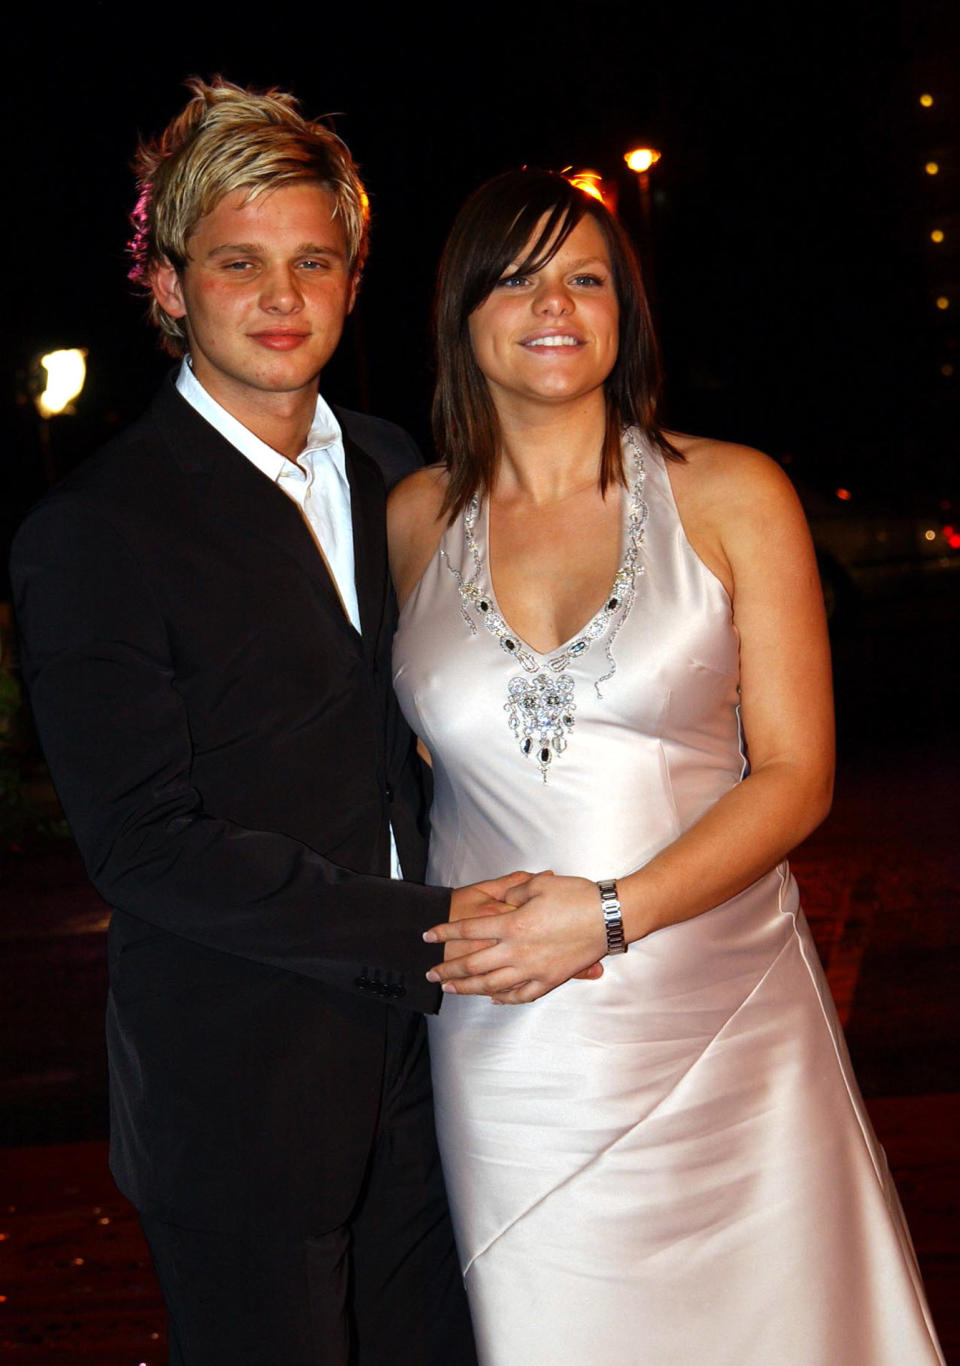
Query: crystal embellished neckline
point(541, 703)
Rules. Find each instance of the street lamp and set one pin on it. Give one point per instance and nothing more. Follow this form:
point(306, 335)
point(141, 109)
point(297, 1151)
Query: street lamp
point(640, 159)
point(66, 371)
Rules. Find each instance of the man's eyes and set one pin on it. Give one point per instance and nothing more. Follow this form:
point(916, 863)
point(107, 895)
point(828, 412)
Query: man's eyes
point(242, 265)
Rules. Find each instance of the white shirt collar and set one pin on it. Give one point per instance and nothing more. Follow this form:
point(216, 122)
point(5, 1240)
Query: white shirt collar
point(324, 433)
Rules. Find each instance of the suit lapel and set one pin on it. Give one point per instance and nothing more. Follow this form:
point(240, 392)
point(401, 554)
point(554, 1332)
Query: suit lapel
point(235, 489)
point(367, 507)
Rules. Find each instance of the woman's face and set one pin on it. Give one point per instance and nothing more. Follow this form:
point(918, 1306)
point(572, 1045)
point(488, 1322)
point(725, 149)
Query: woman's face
point(550, 337)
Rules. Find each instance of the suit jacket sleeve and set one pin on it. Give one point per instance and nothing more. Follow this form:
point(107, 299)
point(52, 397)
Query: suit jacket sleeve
point(98, 663)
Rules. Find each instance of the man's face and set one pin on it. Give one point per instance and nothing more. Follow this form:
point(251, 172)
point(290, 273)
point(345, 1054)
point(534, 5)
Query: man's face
point(264, 294)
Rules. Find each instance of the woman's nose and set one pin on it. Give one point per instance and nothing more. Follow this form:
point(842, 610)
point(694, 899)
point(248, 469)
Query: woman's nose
point(553, 297)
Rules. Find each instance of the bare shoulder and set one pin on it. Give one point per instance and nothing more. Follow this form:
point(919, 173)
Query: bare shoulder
point(727, 476)
point(419, 495)
point(733, 502)
point(728, 489)
point(414, 525)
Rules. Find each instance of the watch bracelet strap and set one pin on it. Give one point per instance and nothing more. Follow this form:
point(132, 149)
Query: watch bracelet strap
point(612, 916)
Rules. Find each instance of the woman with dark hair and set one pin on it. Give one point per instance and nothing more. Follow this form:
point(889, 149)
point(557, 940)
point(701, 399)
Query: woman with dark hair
point(668, 1162)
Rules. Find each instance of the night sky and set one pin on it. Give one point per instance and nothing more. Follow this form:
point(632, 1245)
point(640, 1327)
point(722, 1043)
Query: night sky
point(790, 290)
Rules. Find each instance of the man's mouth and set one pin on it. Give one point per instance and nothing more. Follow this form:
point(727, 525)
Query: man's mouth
point(280, 340)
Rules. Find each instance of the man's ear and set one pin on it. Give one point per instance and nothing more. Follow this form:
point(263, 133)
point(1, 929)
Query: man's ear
point(354, 290)
point(167, 290)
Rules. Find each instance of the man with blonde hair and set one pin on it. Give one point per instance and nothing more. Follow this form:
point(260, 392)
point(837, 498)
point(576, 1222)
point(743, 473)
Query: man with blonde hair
point(206, 624)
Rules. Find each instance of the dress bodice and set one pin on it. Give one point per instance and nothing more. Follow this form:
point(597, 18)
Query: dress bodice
point(655, 739)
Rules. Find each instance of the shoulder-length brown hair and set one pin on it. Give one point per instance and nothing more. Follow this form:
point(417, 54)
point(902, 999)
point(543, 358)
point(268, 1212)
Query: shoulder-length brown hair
point(497, 223)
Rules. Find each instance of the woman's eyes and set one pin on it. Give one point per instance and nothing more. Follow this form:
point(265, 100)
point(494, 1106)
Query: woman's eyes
point(583, 281)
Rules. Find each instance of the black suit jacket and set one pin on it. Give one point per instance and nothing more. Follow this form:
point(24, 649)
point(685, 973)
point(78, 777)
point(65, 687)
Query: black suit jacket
point(229, 754)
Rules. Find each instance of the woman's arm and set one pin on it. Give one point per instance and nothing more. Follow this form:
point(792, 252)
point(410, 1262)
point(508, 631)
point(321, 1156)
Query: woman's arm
point(743, 518)
point(414, 526)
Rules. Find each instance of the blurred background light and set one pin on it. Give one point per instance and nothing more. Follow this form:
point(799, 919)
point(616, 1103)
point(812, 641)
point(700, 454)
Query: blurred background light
point(589, 182)
point(640, 159)
point(66, 372)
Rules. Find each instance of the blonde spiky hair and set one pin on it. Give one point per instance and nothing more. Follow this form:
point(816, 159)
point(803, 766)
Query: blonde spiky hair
point(225, 139)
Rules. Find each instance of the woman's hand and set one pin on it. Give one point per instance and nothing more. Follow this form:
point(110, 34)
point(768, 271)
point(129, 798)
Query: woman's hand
point(554, 933)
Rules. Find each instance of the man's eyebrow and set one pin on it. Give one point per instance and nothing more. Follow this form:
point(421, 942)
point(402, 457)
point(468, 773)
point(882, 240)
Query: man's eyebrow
point(313, 249)
point(257, 249)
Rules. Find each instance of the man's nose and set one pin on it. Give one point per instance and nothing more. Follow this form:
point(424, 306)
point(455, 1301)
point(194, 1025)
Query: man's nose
point(280, 290)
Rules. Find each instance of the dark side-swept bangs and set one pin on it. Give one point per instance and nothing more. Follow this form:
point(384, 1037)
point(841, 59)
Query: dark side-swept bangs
point(495, 234)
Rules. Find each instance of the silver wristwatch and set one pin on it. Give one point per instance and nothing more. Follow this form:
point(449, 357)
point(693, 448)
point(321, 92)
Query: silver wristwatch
point(612, 917)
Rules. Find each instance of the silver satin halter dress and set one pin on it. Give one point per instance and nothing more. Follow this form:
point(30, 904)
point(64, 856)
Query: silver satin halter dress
point(671, 1166)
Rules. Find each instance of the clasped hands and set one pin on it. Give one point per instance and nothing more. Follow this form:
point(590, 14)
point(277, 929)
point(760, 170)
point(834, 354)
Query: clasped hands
point(517, 937)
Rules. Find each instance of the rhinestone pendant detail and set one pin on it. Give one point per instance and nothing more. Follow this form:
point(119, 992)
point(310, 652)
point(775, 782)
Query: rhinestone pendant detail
point(540, 702)
point(540, 713)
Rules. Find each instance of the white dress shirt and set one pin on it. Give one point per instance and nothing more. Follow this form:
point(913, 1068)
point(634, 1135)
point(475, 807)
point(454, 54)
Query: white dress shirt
point(317, 483)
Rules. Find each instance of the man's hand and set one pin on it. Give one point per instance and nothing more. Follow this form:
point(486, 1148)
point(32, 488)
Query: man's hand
point(480, 899)
point(554, 933)
point(485, 898)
